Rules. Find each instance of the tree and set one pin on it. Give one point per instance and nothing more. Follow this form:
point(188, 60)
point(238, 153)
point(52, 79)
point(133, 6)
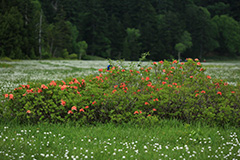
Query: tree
point(185, 42)
point(11, 40)
point(131, 45)
point(203, 31)
point(229, 35)
point(82, 48)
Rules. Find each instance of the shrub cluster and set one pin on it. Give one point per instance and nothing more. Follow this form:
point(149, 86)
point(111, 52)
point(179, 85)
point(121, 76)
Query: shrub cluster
point(158, 91)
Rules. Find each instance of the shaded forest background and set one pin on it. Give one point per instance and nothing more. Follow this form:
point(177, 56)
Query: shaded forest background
point(119, 29)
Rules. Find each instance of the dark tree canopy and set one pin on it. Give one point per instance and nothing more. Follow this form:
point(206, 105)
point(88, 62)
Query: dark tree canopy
point(119, 29)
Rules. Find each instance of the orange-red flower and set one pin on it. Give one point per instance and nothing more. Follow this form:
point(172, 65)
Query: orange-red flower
point(140, 112)
point(64, 82)
point(149, 115)
point(63, 103)
point(154, 109)
point(203, 91)
point(74, 108)
point(233, 91)
point(28, 111)
point(155, 99)
point(136, 112)
point(191, 76)
point(175, 61)
point(24, 94)
point(94, 102)
point(6, 95)
point(225, 84)
point(196, 95)
point(198, 63)
point(164, 70)
point(220, 93)
point(209, 77)
point(81, 110)
point(146, 103)
point(147, 78)
point(100, 70)
point(86, 107)
point(70, 112)
point(172, 67)
point(196, 59)
point(10, 96)
point(39, 90)
point(164, 82)
point(161, 62)
point(154, 63)
point(53, 83)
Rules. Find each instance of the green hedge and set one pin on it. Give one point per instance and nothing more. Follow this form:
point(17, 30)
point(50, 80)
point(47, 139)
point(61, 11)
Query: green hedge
point(163, 90)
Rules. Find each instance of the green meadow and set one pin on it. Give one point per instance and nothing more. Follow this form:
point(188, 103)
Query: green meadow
point(163, 139)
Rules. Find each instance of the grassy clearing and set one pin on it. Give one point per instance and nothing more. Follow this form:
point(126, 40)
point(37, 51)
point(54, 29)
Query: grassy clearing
point(170, 139)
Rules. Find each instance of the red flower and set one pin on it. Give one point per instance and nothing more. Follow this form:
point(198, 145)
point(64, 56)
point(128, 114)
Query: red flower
point(196, 95)
point(233, 91)
point(169, 85)
point(149, 115)
point(100, 70)
point(140, 112)
point(146, 103)
point(39, 90)
point(161, 62)
point(175, 61)
point(191, 76)
point(208, 77)
point(63, 103)
point(28, 111)
point(196, 59)
point(114, 91)
point(94, 102)
point(164, 70)
point(10, 96)
point(53, 83)
point(164, 82)
point(123, 70)
point(86, 107)
point(201, 69)
point(138, 72)
point(155, 99)
point(24, 94)
point(81, 110)
point(6, 95)
point(203, 92)
point(225, 84)
point(154, 109)
point(136, 112)
point(64, 82)
point(154, 63)
point(115, 86)
point(220, 93)
point(70, 112)
point(147, 78)
point(172, 67)
point(198, 63)
point(74, 108)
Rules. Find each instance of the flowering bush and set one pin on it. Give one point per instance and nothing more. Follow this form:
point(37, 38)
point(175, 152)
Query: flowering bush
point(162, 90)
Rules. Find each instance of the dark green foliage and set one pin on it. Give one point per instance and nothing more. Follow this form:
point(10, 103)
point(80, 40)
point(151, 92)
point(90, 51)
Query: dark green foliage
point(36, 29)
point(165, 90)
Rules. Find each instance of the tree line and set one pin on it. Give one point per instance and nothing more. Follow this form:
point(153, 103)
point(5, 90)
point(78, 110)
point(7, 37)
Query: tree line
point(119, 29)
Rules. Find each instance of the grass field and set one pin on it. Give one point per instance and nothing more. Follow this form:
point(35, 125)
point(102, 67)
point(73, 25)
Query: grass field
point(170, 139)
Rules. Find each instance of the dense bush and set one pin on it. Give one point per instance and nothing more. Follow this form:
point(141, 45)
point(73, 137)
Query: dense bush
point(161, 90)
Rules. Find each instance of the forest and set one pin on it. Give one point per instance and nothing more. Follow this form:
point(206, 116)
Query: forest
point(119, 29)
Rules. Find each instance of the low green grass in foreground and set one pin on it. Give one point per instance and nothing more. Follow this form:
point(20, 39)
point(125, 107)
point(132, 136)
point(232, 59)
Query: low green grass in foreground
point(170, 139)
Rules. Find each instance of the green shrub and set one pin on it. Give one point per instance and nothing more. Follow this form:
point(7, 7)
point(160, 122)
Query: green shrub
point(162, 91)
point(7, 59)
point(73, 56)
